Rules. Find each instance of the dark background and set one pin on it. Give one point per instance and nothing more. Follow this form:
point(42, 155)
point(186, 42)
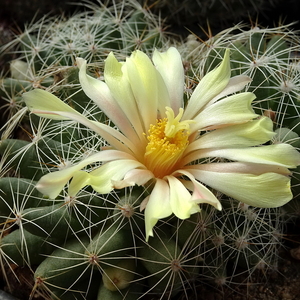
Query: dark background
point(15, 13)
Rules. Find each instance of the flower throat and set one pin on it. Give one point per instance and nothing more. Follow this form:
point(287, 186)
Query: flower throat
point(167, 140)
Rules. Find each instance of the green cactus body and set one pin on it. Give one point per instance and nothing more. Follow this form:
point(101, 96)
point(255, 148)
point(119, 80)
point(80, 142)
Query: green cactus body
point(133, 292)
point(126, 211)
point(167, 266)
point(22, 247)
point(86, 288)
point(108, 245)
point(56, 221)
point(119, 277)
point(17, 194)
point(267, 57)
point(197, 228)
point(21, 156)
point(158, 256)
point(64, 266)
point(13, 86)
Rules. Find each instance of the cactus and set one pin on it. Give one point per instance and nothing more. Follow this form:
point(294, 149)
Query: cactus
point(270, 57)
point(92, 245)
point(267, 55)
point(47, 49)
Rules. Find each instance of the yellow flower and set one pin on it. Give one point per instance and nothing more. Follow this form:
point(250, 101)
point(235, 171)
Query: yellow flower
point(216, 140)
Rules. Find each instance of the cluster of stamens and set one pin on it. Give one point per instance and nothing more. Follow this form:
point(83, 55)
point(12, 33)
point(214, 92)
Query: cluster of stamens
point(167, 140)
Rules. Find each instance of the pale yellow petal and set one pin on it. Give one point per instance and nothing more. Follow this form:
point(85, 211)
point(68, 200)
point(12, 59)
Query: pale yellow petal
point(80, 180)
point(209, 87)
point(235, 84)
point(120, 87)
point(239, 167)
point(45, 104)
point(134, 177)
point(234, 109)
point(200, 193)
point(158, 206)
point(51, 184)
point(102, 179)
point(264, 190)
point(143, 79)
point(181, 199)
point(252, 133)
point(170, 67)
point(283, 155)
point(100, 93)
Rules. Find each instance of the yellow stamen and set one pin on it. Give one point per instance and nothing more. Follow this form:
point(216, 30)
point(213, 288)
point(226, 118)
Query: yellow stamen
point(168, 139)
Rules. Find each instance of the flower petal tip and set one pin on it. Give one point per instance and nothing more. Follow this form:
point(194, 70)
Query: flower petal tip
point(80, 62)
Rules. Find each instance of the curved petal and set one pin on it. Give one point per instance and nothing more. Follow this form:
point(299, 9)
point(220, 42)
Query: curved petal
point(264, 190)
point(158, 206)
point(143, 79)
point(180, 199)
point(201, 194)
point(46, 105)
point(239, 167)
point(51, 184)
point(40, 100)
point(209, 87)
point(234, 109)
point(283, 155)
point(163, 97)
point(120, 88)
point(170, 67)
point(99, 92)
point(114, 137)
point(102, 178)
point(252, 133)
point(132, 177)
point(235, 84)
point(80, 180)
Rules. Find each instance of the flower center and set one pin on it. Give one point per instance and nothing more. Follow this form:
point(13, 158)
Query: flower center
point(167, 140)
